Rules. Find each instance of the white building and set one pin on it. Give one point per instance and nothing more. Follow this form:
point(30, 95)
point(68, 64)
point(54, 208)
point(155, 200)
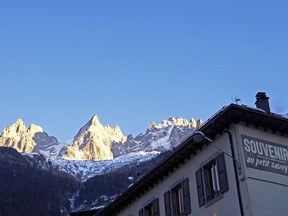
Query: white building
point(242, 170)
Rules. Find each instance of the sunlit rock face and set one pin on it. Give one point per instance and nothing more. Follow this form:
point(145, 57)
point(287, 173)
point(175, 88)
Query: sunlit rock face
point(94, 141)
point(29, 140)
point(98, 142)
point(158, 137)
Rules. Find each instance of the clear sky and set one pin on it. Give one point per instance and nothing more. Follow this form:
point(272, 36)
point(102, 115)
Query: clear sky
point(136, 61)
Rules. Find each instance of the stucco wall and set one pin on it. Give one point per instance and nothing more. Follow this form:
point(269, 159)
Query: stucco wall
point(264, 192)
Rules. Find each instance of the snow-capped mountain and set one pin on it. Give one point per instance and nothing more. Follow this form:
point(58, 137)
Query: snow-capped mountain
point(28, 140)
point(97, 152)
point(161, 137)
point(95, 141)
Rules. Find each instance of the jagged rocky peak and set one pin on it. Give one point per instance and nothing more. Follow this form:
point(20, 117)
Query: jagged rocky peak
point(180, 122)
point(24, 139)
point(93, 141)
point(94, 120)
point(97, 141)
point(19, 125)
point(15, 129)
point(199, 123)
point(95, 128)
point(116, 128)
point(158, 137)
point(152, 124)
point(19, 128)
point(35, 129)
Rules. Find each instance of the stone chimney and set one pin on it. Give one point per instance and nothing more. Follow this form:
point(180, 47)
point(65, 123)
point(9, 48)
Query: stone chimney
point(262, 102)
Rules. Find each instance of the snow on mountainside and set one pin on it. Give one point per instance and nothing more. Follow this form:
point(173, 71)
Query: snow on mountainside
point(84, 169)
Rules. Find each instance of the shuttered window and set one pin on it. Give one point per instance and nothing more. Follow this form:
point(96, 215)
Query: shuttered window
point(223, 182)
point(152, 209)
point(200, 187)
point(186, 197)
point(211, 179)
point(177, 200)
point(141, 212)
point(155, 205)
point(167, 203)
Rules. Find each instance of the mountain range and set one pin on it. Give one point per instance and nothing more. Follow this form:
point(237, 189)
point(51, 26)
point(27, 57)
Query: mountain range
point(91, 169)
point(95, 141)
point(98, 162)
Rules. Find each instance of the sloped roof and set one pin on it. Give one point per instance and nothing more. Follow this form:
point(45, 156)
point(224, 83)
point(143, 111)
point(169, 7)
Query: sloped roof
point(215, 125)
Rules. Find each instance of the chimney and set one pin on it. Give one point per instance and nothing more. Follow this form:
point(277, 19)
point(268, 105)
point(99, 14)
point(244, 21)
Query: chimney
point(262, 102)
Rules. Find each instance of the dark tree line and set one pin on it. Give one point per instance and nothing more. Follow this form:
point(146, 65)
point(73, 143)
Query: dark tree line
point(28, 190)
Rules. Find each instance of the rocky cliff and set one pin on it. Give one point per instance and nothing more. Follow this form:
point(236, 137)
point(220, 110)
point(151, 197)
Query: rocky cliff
point(93, 141)
point(98, 142)
point(158, 137)
point(29, 140)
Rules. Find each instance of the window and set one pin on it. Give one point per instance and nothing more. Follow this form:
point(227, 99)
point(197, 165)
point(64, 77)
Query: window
point(177, 200)
point(211, 179)
point(211, 174)
point(152, 209)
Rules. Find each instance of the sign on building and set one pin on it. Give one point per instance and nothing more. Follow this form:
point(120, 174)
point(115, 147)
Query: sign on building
point(264, 155)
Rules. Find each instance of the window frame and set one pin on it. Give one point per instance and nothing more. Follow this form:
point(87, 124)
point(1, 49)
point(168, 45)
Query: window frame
point(177, 199)
point(150, 209)
point(211, 180)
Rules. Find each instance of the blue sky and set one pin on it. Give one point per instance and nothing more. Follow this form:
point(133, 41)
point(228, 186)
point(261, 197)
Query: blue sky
point(132, 62)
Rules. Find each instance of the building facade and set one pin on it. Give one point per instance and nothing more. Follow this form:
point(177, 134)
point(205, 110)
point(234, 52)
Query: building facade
point(239, 166)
